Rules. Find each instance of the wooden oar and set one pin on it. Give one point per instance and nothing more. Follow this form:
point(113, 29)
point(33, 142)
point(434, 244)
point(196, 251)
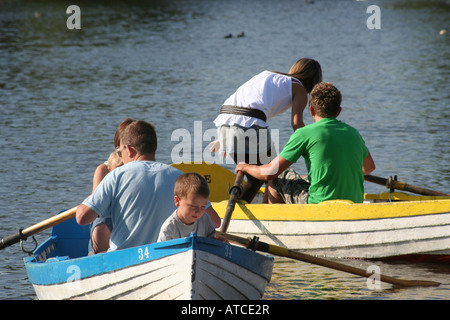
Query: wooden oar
point(25, 233)
point(235, 192)
point(390, 183)
point(283, 252)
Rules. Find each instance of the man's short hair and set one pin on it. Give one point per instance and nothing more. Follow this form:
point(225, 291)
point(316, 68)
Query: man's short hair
point(326, 99)
point(141, 135)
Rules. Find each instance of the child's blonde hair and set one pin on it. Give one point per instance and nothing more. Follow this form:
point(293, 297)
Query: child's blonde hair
point(191, 183)
point(114, 161)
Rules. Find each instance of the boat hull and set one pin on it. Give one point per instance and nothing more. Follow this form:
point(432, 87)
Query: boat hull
point(343, 229)
point(189, 268)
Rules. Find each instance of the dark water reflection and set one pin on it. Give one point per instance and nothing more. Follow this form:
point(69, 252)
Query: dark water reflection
point(303, 281)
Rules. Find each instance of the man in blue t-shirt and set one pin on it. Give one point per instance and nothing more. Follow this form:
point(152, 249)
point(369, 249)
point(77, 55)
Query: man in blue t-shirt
point(138, 196)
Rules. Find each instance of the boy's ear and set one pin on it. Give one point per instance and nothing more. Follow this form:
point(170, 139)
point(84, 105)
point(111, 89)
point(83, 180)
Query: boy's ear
point(339, 111)
point(176, 200)
point(311, 110)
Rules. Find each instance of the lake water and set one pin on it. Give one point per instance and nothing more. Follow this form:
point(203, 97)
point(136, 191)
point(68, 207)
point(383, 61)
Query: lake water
point(63, 92)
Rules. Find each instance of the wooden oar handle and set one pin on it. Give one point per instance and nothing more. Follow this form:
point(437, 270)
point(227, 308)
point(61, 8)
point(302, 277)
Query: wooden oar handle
point(239, 178)
point(12, 239)
point(235, 192)
point(284, 252)
point(38, 227)
point(402, 186)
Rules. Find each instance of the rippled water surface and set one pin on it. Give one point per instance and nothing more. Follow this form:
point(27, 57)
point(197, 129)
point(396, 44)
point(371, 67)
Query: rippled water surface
point(63, 93)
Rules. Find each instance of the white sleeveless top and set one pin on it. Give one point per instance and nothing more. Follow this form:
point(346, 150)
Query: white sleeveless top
point(268, 91)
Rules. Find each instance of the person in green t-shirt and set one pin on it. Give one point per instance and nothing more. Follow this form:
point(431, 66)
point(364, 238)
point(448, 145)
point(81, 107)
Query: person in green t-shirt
point(335, 154)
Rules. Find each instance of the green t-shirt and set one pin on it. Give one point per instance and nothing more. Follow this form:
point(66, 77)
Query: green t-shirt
point(333, 153)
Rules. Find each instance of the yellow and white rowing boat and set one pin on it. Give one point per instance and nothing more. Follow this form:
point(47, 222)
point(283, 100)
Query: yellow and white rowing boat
point(387, 225)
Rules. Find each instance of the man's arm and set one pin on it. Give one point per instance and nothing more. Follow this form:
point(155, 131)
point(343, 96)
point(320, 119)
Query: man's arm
point(265, 172)
point(85, 215)
point(368, 164)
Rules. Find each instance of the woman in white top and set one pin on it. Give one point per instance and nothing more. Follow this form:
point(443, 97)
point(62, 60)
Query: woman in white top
point(242, 123)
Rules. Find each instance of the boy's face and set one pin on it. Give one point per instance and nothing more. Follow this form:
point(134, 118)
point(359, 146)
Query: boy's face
point(190, 208)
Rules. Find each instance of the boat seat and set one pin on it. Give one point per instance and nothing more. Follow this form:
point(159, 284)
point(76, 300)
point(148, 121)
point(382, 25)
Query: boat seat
point(57, 259)
point(219, 178)
point(72, 239)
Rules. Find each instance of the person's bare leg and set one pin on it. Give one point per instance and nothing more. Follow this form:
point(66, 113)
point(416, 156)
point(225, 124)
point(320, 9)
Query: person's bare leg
point(273, 196)
point(100, 238)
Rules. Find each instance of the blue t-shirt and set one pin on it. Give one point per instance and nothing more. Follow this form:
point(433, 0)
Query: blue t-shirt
point(138, 197)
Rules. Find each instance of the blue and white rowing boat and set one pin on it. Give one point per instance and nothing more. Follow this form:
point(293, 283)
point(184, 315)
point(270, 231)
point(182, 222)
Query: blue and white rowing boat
point(186, 268)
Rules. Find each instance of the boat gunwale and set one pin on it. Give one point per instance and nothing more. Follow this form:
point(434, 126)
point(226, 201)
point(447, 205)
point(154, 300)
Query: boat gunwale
point(93, 265)
point(339, 210)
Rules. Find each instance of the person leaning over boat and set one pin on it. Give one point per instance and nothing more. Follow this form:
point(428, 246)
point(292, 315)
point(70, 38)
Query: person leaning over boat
point(137, 196)
point(245, 113)
point(191, 194)
point(335, 154)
